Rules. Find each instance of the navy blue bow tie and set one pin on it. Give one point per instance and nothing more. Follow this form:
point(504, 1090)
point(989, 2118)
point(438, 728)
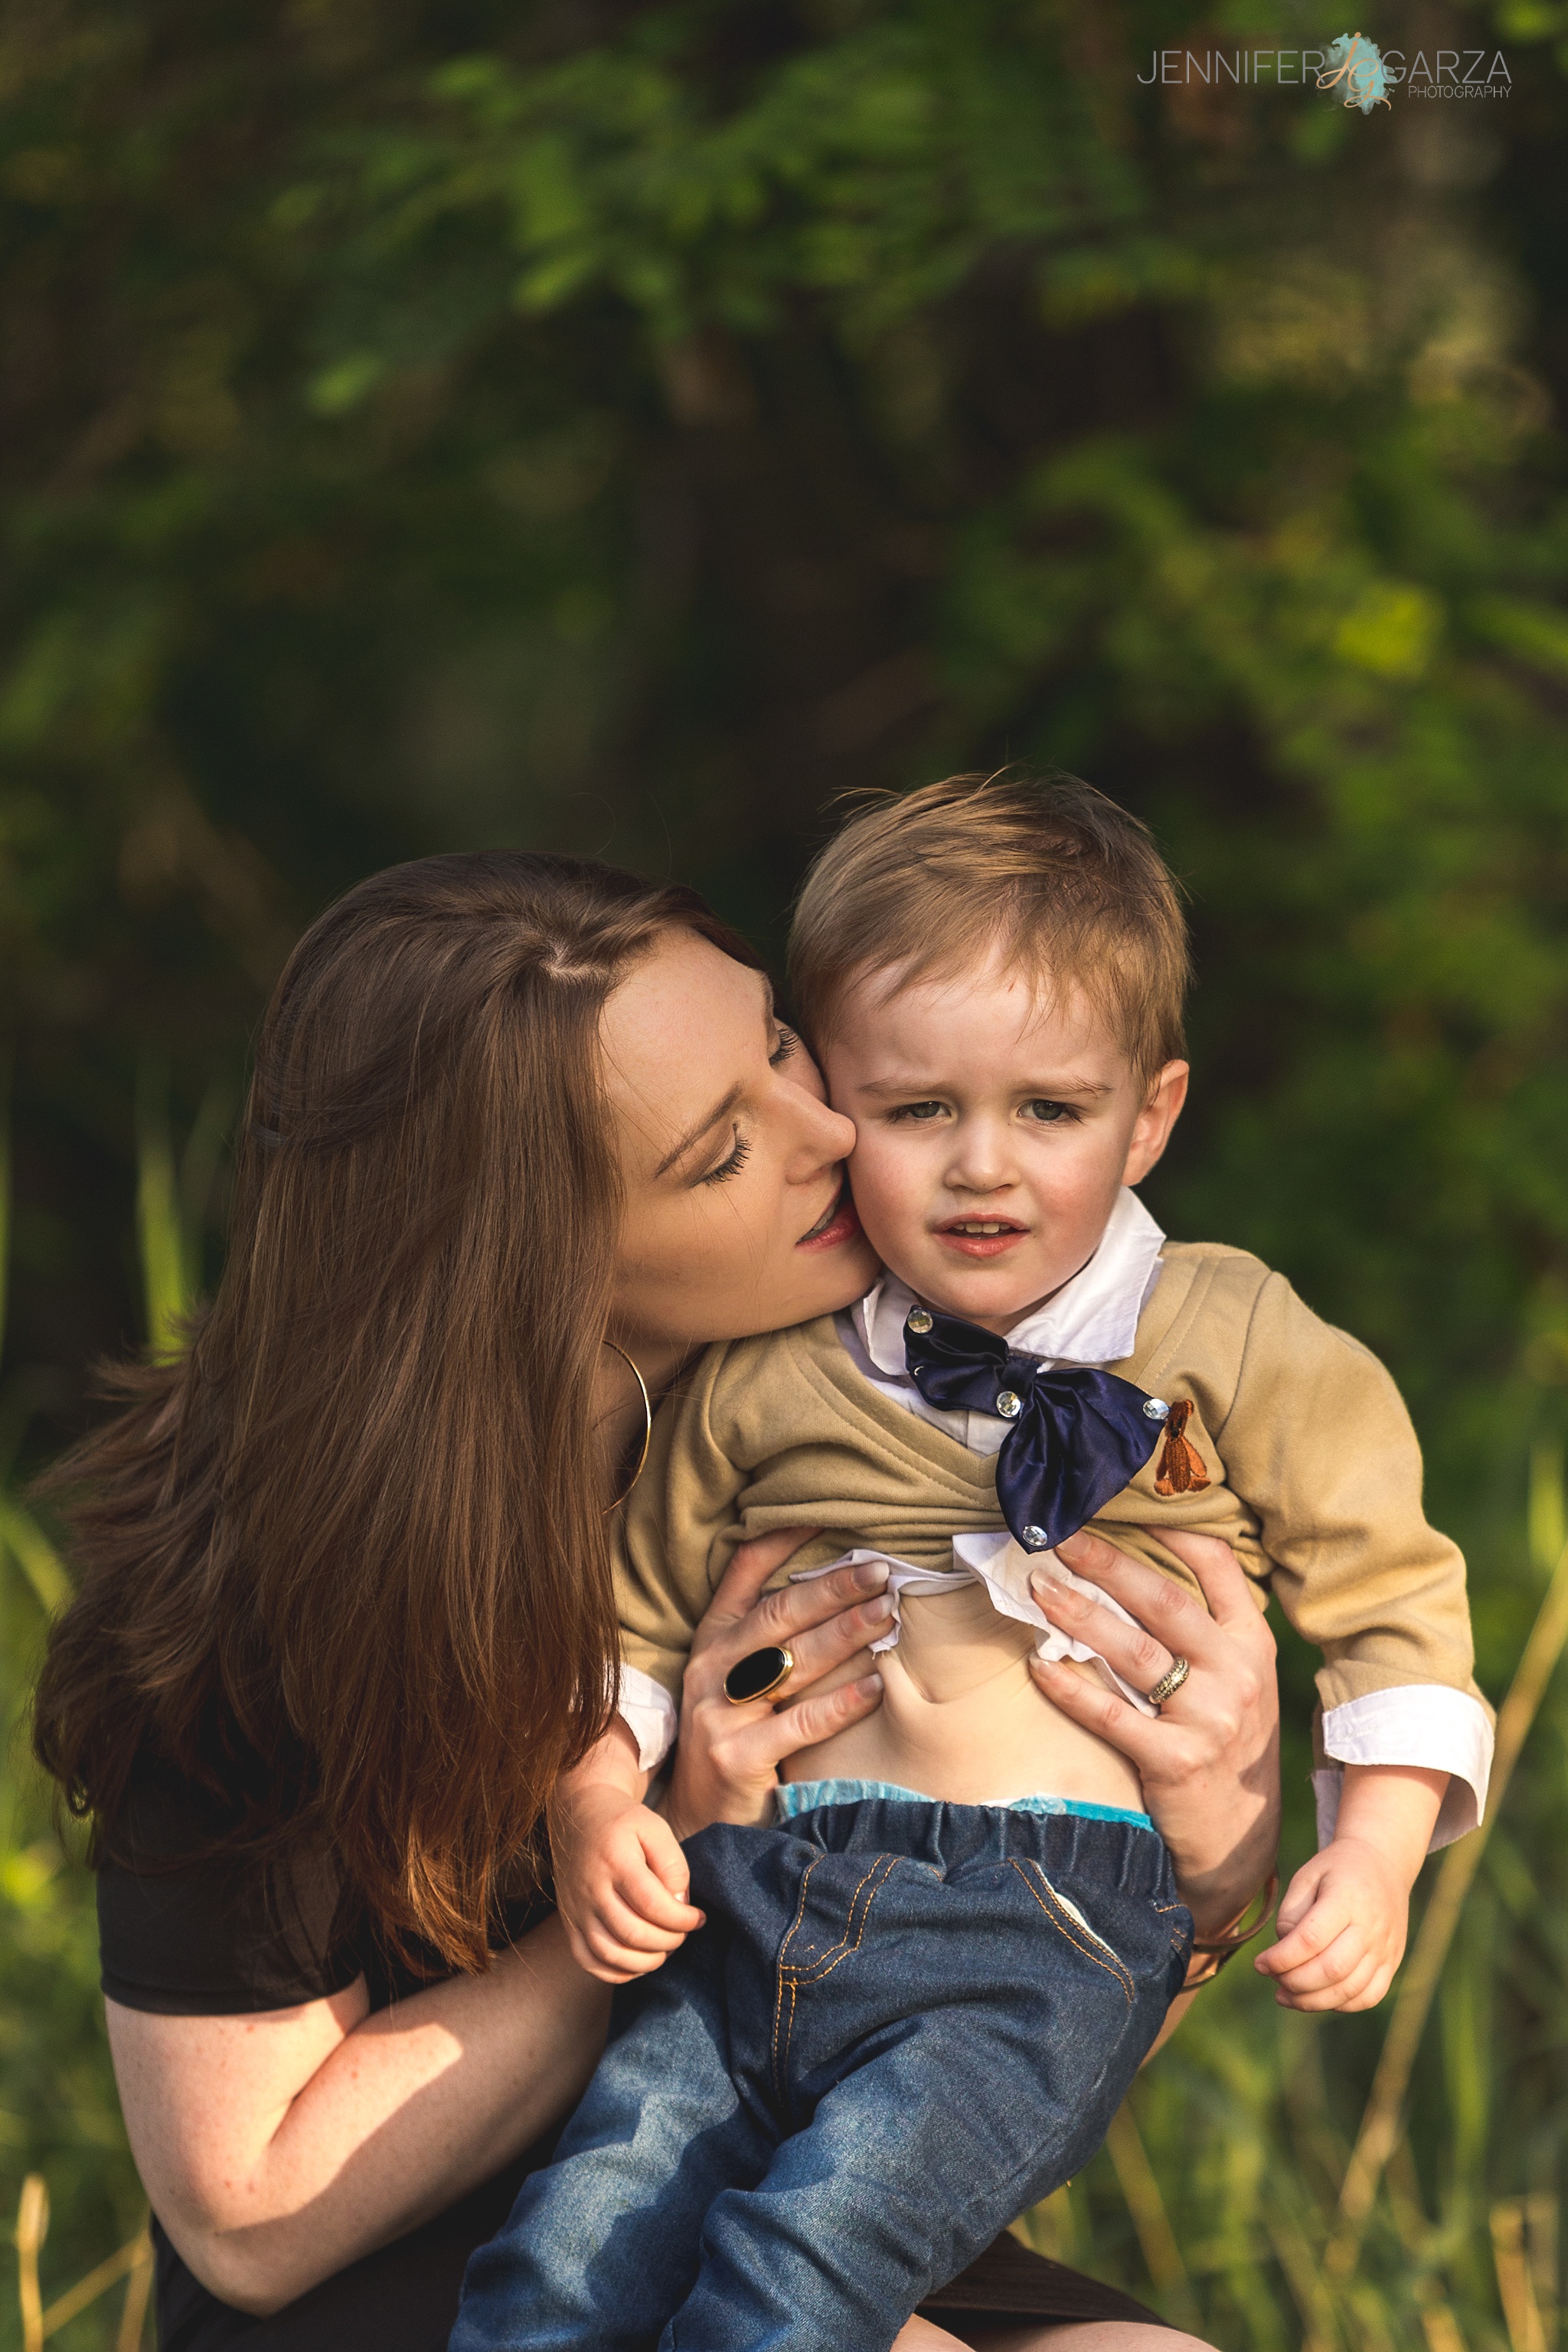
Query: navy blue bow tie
point(1078, 1437)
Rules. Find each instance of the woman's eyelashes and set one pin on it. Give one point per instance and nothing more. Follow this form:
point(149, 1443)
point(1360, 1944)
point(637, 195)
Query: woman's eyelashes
point(739, 1151)
point(732, 1162)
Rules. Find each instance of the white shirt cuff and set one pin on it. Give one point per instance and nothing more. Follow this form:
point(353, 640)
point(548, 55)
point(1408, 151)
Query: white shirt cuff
point(1426, 1725)
point(648, 1708)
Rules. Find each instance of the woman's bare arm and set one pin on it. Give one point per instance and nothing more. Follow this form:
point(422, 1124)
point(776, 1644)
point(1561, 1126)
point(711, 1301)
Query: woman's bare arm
point(278, 2147)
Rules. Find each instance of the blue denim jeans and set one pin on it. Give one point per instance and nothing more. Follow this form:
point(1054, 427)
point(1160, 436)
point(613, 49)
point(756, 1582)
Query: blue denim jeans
point(904, 2022)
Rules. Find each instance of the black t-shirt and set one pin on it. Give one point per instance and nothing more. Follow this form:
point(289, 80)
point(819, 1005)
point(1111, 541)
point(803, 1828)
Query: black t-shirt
point(222, 1938)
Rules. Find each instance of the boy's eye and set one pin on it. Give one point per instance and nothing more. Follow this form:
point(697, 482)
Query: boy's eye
point(789, 1043)
point(1046, 1113)
point(918, 1110)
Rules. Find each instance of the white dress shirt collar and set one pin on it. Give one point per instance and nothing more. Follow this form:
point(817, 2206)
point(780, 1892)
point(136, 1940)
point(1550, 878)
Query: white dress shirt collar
point(1092, 1319)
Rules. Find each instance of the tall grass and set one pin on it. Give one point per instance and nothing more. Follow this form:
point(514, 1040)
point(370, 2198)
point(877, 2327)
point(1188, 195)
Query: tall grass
point(82, 2279)
point(1230, 2194)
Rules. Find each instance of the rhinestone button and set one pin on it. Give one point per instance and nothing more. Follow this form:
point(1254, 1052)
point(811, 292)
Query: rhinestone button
point(1009, 1405)
point(1035, 1539)
point(917, 1320)
point(1155, 1409)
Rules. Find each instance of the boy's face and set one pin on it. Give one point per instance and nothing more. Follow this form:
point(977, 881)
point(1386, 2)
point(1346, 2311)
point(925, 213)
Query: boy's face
point(994, 1130)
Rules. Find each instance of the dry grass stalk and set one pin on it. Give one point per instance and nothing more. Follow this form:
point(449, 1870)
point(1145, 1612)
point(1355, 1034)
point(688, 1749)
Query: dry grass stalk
point(1526, 2328)
point(138, 2289)
point(136, 2253)
point(32, 2228)
point(1135, 2177)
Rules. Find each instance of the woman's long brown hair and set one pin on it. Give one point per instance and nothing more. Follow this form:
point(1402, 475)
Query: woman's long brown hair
point(345, 1559)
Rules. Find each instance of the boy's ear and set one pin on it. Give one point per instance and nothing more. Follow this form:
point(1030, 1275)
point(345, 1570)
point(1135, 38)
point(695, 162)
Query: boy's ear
point(1158, 1116)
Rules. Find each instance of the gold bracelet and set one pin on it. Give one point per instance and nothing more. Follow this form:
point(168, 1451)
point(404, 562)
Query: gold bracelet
point(1211, 1953)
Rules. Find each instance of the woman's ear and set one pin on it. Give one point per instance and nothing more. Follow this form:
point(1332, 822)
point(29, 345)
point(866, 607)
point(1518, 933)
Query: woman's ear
point(1158, 1116)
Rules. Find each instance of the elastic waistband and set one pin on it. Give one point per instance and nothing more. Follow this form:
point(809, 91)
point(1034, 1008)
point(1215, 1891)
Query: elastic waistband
point(1123, 1851)
point(796, 1797)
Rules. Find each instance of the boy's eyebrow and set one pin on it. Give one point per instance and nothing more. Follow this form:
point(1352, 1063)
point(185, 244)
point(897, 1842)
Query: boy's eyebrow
point(1048, 1088)
point(720, 1110)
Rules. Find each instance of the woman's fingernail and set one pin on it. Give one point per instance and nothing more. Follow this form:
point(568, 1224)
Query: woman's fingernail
point(1046, 1589)
point(870, 1574)
point(870, 1685)
point(875, 1610)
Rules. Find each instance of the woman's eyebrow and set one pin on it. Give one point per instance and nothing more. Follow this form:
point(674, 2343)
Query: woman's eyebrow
point(695, 1134)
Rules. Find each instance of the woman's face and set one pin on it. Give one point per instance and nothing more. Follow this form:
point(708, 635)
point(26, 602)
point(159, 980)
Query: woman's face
point(736, 1215)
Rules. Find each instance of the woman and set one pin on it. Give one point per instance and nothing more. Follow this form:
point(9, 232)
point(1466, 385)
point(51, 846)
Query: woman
point(344, 1608)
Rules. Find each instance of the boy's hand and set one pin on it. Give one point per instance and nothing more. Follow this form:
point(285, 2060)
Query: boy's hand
point(1345, 1915)
point(621, 1883)
point(1342, 1929)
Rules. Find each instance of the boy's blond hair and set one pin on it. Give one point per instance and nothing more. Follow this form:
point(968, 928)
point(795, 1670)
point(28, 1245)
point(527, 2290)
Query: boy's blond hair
point(922, 885)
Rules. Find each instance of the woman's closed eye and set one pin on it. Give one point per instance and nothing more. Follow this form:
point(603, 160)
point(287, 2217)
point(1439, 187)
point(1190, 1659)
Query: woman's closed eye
point(732, 1162)
point(740, 1151)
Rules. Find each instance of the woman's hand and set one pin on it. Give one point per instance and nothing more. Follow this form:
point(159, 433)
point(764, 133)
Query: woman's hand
point(727, 1758)
point(1209, 1760)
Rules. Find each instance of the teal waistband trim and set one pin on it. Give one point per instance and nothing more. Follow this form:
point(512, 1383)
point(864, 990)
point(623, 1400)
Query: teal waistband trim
point(805, 1797)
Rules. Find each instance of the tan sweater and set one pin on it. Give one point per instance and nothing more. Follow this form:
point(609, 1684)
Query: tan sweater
point(1314, 1469)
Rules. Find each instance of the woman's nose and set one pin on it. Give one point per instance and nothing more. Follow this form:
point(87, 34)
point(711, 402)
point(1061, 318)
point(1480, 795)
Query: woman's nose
point(826, 1137)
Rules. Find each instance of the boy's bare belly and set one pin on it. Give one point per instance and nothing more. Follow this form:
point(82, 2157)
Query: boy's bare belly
point(963, 1719)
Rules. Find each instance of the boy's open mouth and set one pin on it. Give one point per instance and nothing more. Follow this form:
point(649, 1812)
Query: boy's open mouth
point(981, 1236)
point(837, 1223)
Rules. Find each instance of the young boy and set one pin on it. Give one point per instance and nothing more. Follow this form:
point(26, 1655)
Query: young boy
point(920, 1997)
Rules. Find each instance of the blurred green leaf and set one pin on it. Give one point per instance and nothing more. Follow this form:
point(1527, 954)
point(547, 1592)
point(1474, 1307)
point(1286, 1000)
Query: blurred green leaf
point(623, 434)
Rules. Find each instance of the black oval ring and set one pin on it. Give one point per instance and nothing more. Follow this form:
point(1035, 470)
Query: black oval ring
point(757, 1674)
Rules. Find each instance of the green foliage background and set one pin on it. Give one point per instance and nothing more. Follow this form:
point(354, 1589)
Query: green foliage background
point(620, 428)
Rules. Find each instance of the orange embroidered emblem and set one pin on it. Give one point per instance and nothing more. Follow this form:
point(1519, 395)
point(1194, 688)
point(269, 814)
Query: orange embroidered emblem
point(1181, 1470)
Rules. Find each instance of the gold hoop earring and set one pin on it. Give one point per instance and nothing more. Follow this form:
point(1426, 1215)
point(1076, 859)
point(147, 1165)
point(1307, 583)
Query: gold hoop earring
point(648, 1427)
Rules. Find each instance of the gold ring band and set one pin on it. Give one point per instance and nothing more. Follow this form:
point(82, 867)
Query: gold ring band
point(1170, 1681)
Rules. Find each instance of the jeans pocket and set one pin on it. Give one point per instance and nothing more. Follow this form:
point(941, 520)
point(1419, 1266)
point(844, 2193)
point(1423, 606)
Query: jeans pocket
point(1068, 1921)
point(828, 1927)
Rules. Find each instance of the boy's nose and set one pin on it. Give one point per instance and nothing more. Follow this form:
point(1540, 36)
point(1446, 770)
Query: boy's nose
point(981, 1166)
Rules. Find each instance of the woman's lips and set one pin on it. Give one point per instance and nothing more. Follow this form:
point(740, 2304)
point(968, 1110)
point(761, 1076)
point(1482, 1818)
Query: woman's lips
point(973, 1242)
point(837, 1225)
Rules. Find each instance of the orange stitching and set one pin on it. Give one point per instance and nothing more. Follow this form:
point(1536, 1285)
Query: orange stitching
point(805, 1970)
point(886, 1863)
point(780, 1971)
point(789, 2037)
point(800, 1907)
point(829, 1961)
point(1116, 1960)
point(1118, 1972)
